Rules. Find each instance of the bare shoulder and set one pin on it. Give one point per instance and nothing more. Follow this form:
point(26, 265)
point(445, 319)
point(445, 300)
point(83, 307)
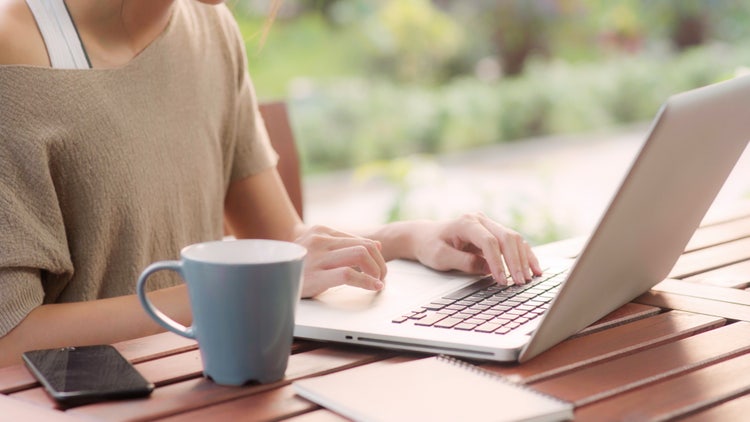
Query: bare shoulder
point(20, 40)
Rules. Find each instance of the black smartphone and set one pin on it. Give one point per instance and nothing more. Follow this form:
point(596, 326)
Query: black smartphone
point(80, 375)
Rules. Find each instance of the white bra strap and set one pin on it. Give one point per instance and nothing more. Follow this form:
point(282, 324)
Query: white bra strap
point(64, 46)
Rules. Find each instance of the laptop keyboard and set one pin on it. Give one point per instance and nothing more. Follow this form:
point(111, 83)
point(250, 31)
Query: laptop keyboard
point(488, 307)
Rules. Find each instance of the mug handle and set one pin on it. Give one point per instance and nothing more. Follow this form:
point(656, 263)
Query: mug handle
point(151, 310)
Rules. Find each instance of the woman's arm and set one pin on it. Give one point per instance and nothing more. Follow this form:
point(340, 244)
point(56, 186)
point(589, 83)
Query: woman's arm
point(472, 243)
point(102, 321)
point(259, 207)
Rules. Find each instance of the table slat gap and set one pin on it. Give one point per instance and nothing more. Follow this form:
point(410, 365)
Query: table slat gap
point(606, 345)
point(601, 381)
point(669, 398)
point(695, 305)
point(734, 410)
point(199, 392)
point(703, 260)
point(630, 312)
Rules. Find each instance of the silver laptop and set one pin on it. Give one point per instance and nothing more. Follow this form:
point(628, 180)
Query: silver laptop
point(692, 146)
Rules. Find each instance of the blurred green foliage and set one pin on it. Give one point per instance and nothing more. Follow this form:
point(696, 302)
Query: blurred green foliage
point(376, 79)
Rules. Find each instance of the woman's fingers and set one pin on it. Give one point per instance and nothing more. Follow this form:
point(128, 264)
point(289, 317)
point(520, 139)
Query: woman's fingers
point(336, 258)
point(476, 238)
point(358, 257)
point(316, 282)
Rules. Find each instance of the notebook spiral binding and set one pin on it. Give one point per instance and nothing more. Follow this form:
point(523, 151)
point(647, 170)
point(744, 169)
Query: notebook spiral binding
point(477, 370)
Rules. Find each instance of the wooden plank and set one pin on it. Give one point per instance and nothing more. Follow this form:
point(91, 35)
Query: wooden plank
point(154, 346)
point(271, 405)
point(18, 410)
point(704, 291)
point(200, 392)
point(627, 313)
point(321, 415)
point(739, 210)
point(619, 341)
point(171, 369)
point(734, 227)
point(598, 382)
point(719, 233)
point(735, 276)
point(676, 396)
point(16, 378)
point(696, 305)
point(266, 406)
point(167, 370)
point(693, 263)
point(734, 410)
point(174, 365)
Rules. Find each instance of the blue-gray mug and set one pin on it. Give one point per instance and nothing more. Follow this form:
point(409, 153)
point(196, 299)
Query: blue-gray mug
point(243, 296)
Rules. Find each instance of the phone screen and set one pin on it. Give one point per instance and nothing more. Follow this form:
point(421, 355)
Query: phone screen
point(86, 374)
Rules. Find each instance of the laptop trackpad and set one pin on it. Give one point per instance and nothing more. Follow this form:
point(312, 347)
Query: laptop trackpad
point(406, 283)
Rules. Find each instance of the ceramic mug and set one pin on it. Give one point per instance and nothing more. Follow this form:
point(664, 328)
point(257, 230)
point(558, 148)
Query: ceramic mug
point(243, 296)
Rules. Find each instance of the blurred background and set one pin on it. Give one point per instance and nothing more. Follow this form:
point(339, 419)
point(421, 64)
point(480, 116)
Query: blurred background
point(529, 110)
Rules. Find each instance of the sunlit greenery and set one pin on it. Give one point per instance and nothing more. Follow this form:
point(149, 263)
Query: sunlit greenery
point(369, 80)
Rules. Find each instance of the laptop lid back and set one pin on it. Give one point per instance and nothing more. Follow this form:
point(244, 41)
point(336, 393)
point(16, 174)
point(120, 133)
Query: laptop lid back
point(693, 145)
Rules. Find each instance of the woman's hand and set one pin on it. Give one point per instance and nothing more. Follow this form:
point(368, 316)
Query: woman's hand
point(475, 244)
point(335, 258)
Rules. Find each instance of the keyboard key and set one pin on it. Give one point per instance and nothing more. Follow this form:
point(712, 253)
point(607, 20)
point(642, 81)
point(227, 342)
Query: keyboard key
point(468, 290)
point(455, 307)
point(448, 322)
point(465, 326)
point(502, 307)
point(486, 306)
point(502, 319)
point(430, 319)
point(488, 327)
point(484, 316)
point(479, 307)
point(524, 307)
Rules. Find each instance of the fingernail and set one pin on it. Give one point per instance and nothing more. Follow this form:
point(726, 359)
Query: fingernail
point(519, 277)
point(379, 285)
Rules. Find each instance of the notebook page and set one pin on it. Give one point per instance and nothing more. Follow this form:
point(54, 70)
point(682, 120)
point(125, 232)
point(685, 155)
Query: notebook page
point(429, 389)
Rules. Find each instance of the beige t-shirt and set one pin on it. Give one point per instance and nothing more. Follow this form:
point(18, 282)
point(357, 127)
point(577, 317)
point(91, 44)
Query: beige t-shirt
point(103, 171)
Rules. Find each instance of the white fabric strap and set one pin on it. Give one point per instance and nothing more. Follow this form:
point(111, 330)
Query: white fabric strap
point(64, 46)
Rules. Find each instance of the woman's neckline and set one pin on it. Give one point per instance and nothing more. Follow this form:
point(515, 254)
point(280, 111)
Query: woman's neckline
point(133, 62)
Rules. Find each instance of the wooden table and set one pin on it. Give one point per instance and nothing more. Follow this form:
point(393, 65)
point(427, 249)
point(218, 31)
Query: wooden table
point(678, 351)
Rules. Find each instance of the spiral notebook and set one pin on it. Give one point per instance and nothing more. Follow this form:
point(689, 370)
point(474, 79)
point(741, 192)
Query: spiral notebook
point(437, 388)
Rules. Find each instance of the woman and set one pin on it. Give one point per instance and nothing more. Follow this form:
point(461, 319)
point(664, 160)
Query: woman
point(150, 143)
